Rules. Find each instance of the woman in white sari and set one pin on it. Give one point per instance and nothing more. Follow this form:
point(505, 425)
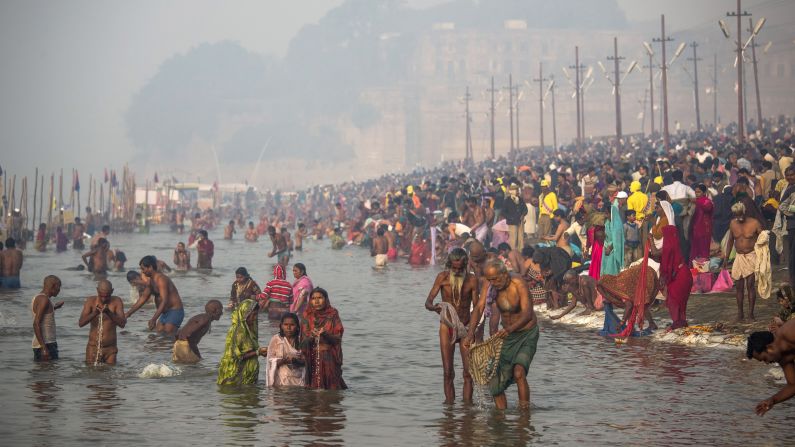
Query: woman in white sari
point(286, 364)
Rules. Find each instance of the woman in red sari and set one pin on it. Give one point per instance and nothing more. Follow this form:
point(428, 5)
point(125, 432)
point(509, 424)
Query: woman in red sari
point(701, 224)
point(675, 278)
point(322, 344)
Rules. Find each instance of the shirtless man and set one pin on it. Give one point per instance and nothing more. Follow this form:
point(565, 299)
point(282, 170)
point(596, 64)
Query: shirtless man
point(45, 346)
point(251, 233)
point(458, 287)
point(279, 247)
point(229, 230)
point(105, 312)
point(779, 347)
point(186, 348)
point(300, 234)
point(77, 235)
point(559, 217)
point(12, 263)
point(743, 232)
point(580, 288)
point(181, 257)
point(102, 234)
point(519, 329)
point(98, 263)
point(379, 248)
point(169, 309)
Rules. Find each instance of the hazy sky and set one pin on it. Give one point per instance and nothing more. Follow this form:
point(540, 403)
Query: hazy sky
point(70, 68)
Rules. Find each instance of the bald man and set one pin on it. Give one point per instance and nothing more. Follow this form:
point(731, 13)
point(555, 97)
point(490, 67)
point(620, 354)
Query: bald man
point(105, 312)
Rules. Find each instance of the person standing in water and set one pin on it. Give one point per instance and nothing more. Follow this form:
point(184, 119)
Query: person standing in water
point(105, 312)
point(239, 364)
point(186, 347)
point(45, 346)
point(458, 287)
point(169, 308)
point(519, 329)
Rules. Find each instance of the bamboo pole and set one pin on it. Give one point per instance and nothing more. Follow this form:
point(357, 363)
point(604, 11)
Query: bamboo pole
point(52, 200)
point(41, 203)
point(60, 190)
point(23, 199)
point(78, 194)
point(35, 197)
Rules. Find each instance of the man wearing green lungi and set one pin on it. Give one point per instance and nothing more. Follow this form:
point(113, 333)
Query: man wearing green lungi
point(519, 330)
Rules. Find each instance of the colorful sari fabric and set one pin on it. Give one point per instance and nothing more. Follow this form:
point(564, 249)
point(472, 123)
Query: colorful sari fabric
point(614, 236)
point(701, 228)
point(624, 285)
point(233, 369)
point(676, 277)
point(597, 248)
point(324, 356)
point(302, 287)
point(535, 285)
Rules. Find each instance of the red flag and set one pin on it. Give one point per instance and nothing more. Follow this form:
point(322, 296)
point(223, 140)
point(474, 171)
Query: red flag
point(215, 185)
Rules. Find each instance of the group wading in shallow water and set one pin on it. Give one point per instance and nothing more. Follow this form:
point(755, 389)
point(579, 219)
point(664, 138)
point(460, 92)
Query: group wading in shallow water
point(618, 237)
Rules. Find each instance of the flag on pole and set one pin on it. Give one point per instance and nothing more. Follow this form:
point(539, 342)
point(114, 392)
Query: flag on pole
point(106, 175)
point(156, 180)
point(76, 186)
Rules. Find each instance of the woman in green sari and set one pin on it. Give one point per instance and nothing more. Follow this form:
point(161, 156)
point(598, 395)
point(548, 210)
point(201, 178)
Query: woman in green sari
point(239, 364)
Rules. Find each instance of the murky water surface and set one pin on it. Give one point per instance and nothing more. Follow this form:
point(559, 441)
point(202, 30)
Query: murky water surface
point(584, 388)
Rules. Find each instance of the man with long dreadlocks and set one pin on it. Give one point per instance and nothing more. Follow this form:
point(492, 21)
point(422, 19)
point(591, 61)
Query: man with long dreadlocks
point(458, 286)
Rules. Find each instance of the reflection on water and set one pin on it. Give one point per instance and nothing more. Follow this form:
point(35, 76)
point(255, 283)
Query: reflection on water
point(584, 388)
point(45, 395)
point(470, 425)
point(239, 411)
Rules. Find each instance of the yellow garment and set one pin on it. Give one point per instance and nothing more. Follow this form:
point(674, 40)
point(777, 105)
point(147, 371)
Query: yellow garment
point(658, 180)
point(549, 203)
point(183, 353)
point(762, 269)
point(637, 202)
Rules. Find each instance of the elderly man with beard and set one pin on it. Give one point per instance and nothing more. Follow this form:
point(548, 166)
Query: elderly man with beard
point(458, 286)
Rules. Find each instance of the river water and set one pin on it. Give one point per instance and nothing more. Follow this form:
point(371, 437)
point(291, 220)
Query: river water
point(584, 388)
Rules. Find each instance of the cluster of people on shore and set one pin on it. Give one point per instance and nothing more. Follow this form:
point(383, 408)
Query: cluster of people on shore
point(607, 226)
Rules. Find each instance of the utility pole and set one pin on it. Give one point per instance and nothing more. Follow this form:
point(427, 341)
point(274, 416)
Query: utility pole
point(510, 105)
point(756, 76)
point(663, 40)
point(577, 68)
point(651, 92)
point(695, 60)
point(554, 123)
point(540, 79)
point(616, 85)
point(715, 89)
point(740, 116)
point(643, 121)
point(517, 116)
point(468, 137)
point(491, 90)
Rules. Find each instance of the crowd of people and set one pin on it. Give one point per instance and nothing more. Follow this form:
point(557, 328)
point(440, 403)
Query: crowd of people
point(604, 226)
